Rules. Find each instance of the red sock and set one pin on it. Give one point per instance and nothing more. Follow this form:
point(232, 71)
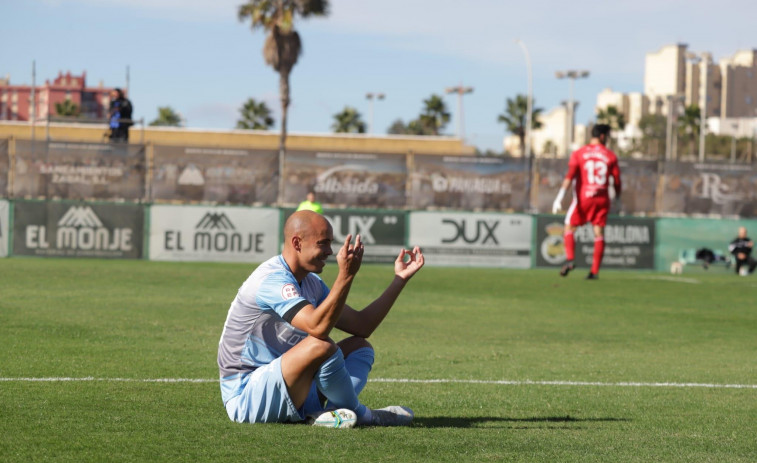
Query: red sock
point(599, 252)
point(570, 244)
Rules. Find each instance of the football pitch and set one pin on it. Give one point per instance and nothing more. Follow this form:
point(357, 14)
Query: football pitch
point(116, 361)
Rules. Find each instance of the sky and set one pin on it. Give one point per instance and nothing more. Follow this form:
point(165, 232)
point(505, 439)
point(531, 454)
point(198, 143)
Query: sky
point(198, 58)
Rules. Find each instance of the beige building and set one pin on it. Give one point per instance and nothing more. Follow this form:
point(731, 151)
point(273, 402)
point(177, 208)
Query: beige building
point(673, 72)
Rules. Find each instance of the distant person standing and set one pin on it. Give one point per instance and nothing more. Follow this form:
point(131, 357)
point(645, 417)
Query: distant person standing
point(741, 248)
point(591, 167)
point(310, 204)
point(120, 116)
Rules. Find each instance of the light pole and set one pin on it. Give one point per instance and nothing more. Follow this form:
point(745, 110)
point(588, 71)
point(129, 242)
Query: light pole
point(572, 75)
point(460, 90)
point(530, 100)
point(735, 127)
point(370, 96)
point(703, 60)
point(671, 138)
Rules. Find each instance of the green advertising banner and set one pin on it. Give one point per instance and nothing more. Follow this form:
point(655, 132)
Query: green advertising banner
point(77, 229)
point(382, 231)
point(629, 243)
point(680, 238)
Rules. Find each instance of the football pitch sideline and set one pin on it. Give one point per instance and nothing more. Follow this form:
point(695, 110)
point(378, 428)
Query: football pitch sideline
point(116, 361)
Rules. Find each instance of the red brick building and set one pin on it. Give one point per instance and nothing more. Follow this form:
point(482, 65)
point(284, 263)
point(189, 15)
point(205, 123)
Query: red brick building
point(15, 100)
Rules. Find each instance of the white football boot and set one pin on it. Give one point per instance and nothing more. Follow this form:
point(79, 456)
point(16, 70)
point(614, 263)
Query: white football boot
point(341, 418)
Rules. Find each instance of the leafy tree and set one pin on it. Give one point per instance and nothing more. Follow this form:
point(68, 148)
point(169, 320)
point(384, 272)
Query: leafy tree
point(167, 117)
point(348, 121)
point(67, 108)
point(654, 130)
point(398, 127)
point(434, 117)
point(515, 117)
point(688, 126)
point(255, 115)
point(282, 46)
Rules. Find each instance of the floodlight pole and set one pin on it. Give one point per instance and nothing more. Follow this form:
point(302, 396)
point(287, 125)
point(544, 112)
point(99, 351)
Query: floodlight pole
point(370, 96)
point(572, 75)
point(460, 90)
point(530, 100)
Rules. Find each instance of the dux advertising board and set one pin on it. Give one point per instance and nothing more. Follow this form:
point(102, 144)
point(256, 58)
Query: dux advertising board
point(4, 217)
point(77, 229)
point(382, 232)
point(629, 243)
point(471, 239)
point(223, 234)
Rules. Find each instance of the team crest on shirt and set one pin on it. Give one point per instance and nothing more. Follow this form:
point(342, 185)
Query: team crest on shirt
point(289, 291)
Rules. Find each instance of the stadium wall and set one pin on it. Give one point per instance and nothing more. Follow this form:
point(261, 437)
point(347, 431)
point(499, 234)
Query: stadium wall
point(124, 230)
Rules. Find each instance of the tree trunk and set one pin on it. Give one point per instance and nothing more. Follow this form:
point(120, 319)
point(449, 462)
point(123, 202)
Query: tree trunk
point(284, 95)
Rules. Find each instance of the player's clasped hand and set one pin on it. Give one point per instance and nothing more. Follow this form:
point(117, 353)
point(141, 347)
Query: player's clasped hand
point(350, 256)
point(408, 262)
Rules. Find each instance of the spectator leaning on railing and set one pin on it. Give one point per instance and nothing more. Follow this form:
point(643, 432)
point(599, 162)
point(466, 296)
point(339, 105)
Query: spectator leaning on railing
point(120, 116)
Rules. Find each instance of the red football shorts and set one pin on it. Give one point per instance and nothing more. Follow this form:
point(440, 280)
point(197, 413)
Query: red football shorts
point(588, 210)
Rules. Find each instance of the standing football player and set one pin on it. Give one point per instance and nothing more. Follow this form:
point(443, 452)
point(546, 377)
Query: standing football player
point(591, 168)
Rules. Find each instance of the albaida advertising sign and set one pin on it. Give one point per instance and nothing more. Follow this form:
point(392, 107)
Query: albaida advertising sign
point(77, 229)
point(382, 231)
point(207, 233)
point(629, 243)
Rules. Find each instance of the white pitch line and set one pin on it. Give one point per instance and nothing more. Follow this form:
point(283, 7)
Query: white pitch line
point(526, 382)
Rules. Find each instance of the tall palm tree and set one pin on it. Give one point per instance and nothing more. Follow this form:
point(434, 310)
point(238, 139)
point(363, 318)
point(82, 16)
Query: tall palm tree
point(688, 125)
point(67, 108)
point(255, 115)
point(282, 46)
point(515, 117)
point(348, 121)
point(435, 115)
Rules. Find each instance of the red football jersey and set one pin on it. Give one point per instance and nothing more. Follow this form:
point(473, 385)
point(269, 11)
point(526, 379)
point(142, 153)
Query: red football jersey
point(591, 167)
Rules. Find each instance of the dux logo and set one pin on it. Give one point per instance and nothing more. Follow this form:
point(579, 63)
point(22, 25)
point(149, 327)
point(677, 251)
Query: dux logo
point(80, 229)
point(289, 291)
point(214, 233)
point(480, 231)
point(356, 225)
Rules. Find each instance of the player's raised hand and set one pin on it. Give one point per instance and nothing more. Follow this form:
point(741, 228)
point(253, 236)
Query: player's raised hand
point(350, 256)
point(408, 263)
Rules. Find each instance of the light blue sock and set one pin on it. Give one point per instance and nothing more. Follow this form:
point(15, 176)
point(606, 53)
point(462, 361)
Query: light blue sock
point(334, 382)
point(359, 364)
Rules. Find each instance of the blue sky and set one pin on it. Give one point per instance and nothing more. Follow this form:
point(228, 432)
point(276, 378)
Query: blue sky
point(195, 56)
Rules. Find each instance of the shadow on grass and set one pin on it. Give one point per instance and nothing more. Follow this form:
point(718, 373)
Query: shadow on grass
point(496, 421)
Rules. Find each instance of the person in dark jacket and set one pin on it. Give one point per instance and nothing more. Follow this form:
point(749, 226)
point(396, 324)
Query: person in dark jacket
point(741, 248)
point(120, 116)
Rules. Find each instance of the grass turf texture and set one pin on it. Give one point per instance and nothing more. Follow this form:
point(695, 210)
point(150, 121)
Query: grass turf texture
point(139, 320)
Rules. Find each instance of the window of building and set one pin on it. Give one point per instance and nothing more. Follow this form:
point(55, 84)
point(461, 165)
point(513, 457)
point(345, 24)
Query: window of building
point(748, 99)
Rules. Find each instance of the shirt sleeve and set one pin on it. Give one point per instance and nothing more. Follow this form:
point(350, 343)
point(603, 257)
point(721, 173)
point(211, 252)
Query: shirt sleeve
point(281, 293)
point(573, 167)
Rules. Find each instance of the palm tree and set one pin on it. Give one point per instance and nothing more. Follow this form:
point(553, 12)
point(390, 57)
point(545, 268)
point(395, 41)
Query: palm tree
point(688, 125)
point(67, 108)
point(515, 116)
point(282, 44)
point(348, 121)
point(434, 116)
point(255, 115)
point(167, 117)
point(612, 117)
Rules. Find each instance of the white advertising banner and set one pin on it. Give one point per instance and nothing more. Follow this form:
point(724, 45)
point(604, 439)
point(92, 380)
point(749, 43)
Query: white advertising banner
point(470, 239)
point(221, 234)
point(4, 218)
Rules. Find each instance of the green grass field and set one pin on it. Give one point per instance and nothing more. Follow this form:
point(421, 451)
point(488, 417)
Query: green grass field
point(523, 345)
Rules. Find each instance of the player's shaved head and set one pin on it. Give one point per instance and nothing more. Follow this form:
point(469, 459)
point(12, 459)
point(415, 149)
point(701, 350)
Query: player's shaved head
point(303, 224)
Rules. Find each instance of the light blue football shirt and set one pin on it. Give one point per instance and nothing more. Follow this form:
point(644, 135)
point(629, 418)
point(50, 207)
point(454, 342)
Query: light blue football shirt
point(258, 326)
